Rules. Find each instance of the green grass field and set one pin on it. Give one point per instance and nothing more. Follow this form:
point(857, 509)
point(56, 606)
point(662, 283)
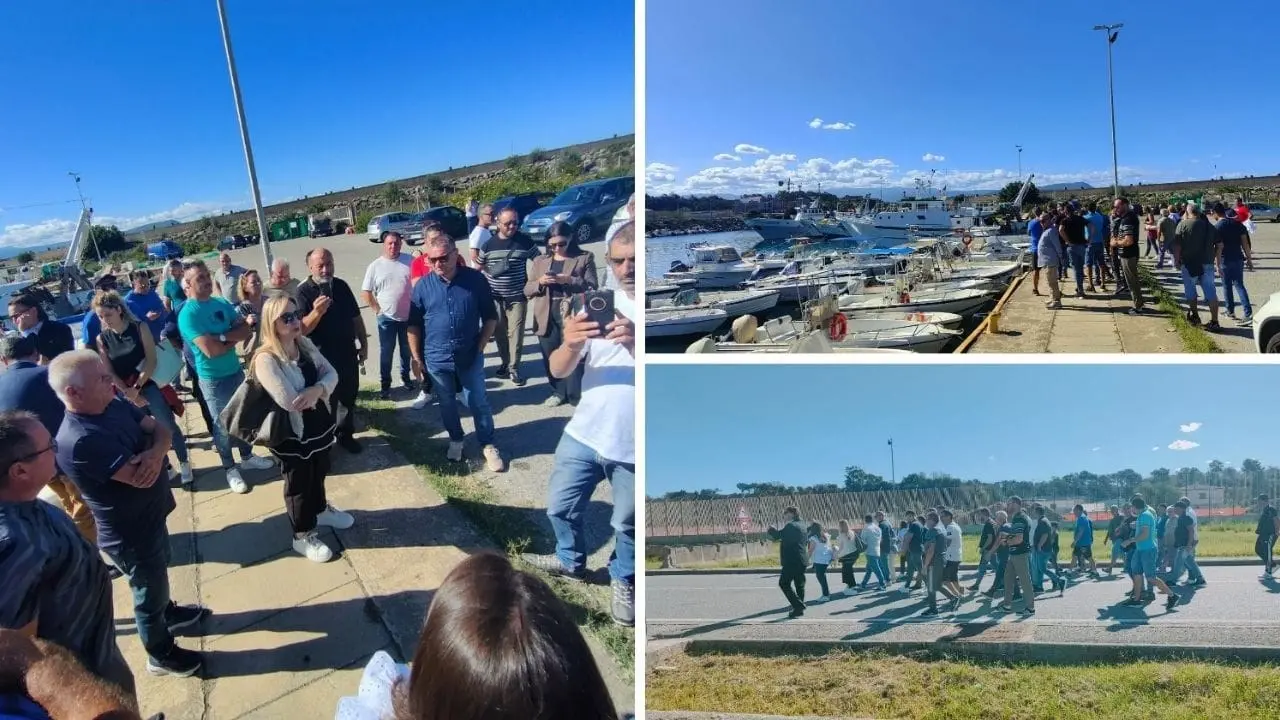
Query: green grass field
point(872, 685)
point(1223, 539)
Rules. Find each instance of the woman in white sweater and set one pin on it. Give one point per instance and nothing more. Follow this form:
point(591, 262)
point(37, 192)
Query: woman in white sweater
point(300, 380)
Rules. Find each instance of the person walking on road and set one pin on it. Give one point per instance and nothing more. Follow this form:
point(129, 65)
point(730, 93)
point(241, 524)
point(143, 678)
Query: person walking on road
point(913, 545)
point(954, 555)
point(793, 556)
point(845, 546)
point(1017, 570)
point(1035, 229)
point(1184, 547)
point(1234, 253)
point(1050, 258)
point(1145, 548)
point(1267, 531)
point(888, 542)
point(504, 258)
point(386, 289)
point(1113, 527)
point(1167, 228)
point(1003, 531)
point(1125, 227)
point(479, 234)
point(820, 554)
point(986, 547)
point(1195, 252)
point(1042, 539)
point(935, 560)
point(872, 536)
point(1082, 542)
point(554, 279)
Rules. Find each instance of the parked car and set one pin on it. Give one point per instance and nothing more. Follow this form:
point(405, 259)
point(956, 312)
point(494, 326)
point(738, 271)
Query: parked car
point(1266, 325)
point(587, 208)
point(522, 204)
point(234, 242)
point(409, 225)
point(321, 225)
point(1262, 211)
point(164, 250)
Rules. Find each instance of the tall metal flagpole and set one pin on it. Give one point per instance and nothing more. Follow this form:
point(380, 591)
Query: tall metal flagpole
point(1112, 32)
point(893, 467)
point(244, 135)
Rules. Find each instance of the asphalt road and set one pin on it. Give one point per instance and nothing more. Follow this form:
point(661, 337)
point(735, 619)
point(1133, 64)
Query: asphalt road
point(1235, 598)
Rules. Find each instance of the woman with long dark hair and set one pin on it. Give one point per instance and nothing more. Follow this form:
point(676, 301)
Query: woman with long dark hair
point(565, 271)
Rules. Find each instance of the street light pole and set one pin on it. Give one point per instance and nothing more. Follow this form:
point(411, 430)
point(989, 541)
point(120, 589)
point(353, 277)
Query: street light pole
point(1111, 33)
point(893, 467)
point(244, 136)
point(1019, 162)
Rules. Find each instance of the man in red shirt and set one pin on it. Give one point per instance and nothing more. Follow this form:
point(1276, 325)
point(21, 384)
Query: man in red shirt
point(420, 267)
point(1242, 211)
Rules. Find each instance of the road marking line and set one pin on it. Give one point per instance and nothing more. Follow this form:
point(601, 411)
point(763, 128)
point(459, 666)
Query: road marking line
point(916, 619)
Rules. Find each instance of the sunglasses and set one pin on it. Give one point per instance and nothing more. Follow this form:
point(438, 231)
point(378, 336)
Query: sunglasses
point(438, 259)
point(53, 447)
point(619, 261)
point(291, 316)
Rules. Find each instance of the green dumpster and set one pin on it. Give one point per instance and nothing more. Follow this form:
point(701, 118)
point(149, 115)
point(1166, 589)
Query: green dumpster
point(289, 228)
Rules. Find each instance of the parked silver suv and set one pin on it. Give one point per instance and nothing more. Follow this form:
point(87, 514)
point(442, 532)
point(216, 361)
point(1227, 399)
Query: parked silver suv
point(1262, 211)
point(408, 224)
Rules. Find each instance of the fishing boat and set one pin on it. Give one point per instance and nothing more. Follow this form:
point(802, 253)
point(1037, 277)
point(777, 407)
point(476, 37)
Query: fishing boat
point(963, 302)
point(665, 289)
point(841, 332)
point(675, 322)
point(734, 302)
point(951, 321)
point(719, 266)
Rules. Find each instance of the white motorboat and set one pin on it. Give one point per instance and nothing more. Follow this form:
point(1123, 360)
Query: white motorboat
point(859, 334)
point(961, 302)
point(947, 320)
point(717, 267)
point(735, 303)
point(674, 322)
point(665, 289)
point(803, 287)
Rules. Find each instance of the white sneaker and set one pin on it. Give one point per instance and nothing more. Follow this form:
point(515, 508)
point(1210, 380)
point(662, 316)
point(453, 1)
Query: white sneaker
point(187, 476)
point(553, 401)
point(237, 483)
point(493, 459)
point(423, 400)
point(335, 518)
point(310, 547)
point(455, 451)
point(257, 462)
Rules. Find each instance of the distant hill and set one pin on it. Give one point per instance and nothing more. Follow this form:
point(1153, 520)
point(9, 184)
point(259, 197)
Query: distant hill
point(1067, 186)
point(152, 227)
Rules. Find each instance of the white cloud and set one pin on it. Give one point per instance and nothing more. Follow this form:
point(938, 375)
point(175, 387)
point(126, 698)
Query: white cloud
point(656, 173)
point(1183, 445)
point(1155, 448)
point(1096, 449)
point(930, 157)
point(727, 156)
point(745, 149)
point(991, 457)
point(817, 124)
point(60, 230)
point(1189, 427)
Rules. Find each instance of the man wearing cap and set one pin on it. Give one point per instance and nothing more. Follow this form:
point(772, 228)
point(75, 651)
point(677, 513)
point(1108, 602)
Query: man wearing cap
point(1195, 251)
point(1233, 252)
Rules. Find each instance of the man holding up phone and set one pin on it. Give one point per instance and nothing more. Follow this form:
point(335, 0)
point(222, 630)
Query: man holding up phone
point(1125, 225)
point(599, 441)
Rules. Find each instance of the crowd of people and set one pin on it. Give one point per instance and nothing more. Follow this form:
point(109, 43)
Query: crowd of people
point(1018, 543)
point(97, 426)
point(1200, 243)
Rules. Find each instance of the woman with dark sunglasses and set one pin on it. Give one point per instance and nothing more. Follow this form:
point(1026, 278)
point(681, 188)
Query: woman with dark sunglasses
point(563, 272)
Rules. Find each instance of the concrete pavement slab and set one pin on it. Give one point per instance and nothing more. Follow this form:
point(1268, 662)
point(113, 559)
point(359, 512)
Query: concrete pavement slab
point(242, 598)
point(319, 698)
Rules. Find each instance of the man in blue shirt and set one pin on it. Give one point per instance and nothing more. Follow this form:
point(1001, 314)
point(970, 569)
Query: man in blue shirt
point(25, 386)
point(1035, 229)
point(1099, 232)
point(451, 318)
point(117, 457)
point(1234, 252)
point(211, 328)
point(56, 588)
point(1144, 544)
point(1082, 542)
point(146, 305)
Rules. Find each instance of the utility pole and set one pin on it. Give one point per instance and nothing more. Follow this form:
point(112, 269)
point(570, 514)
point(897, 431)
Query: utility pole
point(84, 207)
point(1112, 32)
point(244, 136)
point(893, 467)
point(1019, 162)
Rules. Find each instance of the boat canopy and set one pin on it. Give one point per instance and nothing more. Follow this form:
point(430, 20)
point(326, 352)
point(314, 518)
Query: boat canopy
point(717, 254)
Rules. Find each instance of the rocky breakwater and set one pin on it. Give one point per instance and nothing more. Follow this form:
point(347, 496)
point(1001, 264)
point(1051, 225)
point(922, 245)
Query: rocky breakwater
point(660, 224)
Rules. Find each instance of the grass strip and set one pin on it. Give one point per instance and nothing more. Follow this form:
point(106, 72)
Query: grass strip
point(1194, 339)
point(1225, 539)
point(874, 684)
point(509, 527)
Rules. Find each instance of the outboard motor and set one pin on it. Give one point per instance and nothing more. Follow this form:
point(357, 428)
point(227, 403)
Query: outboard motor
point(678, 266)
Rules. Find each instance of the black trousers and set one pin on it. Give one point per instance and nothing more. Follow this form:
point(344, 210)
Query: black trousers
point(846, 570)
point(304, 496)
point(1264, 547)
point(793, 576)
point(568, 389)
point(347, 364)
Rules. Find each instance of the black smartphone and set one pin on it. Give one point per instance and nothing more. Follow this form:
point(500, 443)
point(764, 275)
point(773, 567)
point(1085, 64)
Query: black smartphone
point(599, 307)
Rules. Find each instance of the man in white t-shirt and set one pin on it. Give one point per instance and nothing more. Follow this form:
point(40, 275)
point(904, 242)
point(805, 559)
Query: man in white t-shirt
point(480, 234)
point(625, 214)
point(386, 290)
point(599, 441)
point(472, 214)
point(955, 552)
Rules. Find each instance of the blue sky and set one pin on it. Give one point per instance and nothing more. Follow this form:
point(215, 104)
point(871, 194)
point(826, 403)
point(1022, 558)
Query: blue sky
point(338, 93)
point(715, 426)
point(961, 81)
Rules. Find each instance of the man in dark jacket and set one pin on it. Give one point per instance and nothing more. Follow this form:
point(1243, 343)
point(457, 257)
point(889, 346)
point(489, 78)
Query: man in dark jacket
point(1195, 252)
point(794, 555)
point(52, 337)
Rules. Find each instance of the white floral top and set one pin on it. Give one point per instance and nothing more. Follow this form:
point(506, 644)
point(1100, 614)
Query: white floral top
point(373, 700)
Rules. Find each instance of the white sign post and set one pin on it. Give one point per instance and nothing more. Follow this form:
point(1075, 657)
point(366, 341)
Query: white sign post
point(744, 522)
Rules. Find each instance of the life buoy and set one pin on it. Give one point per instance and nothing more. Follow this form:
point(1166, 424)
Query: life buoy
point(904, 297)
point(967, 240)
point(839, 327)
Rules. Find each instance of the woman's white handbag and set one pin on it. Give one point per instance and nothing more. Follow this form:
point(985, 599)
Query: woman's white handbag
point(168, 363)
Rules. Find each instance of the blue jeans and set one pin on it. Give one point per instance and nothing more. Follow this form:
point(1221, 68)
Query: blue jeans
point(163, 414)
point(1184, 558)
point(578, 469)
point(883, 562)
point(1040, 569)
point(146, 565)
point(1205, 281)
point(875, 567)
point(1232, 278)
point(985, 563)
point(217, 393)
point(1002, 559)
point(391, 332)
point(1096, 257)
point(1077, 253)
point(473, 394)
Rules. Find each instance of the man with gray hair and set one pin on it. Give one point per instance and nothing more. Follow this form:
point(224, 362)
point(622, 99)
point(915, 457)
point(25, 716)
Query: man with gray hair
point(117, 457)
point(451, 318)
point(504, 258)
point(599, 441)
point(281, 279)
point(227, 278)
point(1194, 252)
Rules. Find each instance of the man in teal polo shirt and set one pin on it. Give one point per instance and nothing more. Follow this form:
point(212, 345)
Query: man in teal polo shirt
point(212, 328)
